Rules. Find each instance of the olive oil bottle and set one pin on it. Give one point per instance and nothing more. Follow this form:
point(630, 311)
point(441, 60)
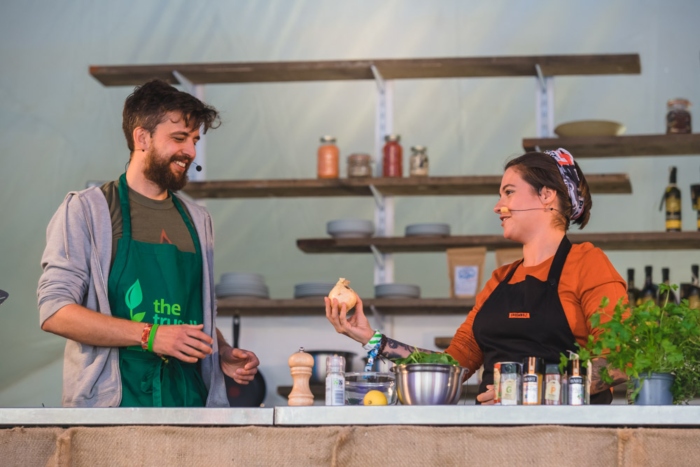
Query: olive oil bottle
point(650, 290)
point(634, 294)
point(694, 295)
point(665, 278)
point(672, 200)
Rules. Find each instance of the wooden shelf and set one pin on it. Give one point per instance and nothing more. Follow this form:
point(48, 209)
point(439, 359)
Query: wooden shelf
point(626, 241)
point(405, 186)
point(229, 306)
point(620, 146)
point(451, 67)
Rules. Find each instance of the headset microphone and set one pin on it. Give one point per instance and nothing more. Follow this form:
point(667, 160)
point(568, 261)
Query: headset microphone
point(197, 167)
point(506, 210)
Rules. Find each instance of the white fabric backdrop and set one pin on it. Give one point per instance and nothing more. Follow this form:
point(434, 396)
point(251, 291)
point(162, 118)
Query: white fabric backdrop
point(59, 128)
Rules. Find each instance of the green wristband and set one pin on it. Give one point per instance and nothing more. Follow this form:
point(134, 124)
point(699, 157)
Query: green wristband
point(152, 337)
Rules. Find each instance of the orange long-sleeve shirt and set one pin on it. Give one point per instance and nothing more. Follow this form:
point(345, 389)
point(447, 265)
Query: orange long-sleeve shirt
point(586, 278)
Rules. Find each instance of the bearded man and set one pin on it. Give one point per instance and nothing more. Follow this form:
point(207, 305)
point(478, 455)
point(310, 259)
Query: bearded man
point(128, 274)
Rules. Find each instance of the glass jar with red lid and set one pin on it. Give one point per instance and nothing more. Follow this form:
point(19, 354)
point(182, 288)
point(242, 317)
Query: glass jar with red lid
point(392, 165)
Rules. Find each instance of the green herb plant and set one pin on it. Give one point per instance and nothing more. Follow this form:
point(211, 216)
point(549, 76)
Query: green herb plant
point(424, 357)
point(649, 338)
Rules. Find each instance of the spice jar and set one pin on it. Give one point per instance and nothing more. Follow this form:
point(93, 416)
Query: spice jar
point(359, 165)
point(328, 158)
point(678, 117)
point(533, 370)
point(511, 383)
point(577, 383)
point(552, 385)
point(392, 163)
point(419, 162)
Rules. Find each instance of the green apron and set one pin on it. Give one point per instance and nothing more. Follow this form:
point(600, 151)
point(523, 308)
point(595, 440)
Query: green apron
point(156, 283)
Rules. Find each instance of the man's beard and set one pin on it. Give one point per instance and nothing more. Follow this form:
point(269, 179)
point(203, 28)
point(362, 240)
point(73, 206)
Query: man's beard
point(159, 172)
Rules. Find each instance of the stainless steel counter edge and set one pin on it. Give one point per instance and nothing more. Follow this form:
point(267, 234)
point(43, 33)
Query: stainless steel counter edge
point(610, 415)
point(136, 416)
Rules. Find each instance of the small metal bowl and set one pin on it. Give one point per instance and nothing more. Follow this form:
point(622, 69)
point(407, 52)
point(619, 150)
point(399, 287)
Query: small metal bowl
point(429, 383)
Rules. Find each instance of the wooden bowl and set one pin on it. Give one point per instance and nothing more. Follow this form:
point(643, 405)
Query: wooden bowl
point(590, 128)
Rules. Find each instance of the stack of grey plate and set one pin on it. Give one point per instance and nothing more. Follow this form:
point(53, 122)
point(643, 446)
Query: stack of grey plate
point(396, 291)
point(427, 230)
point(312, 289)
point(350, 228)
point(242, 285)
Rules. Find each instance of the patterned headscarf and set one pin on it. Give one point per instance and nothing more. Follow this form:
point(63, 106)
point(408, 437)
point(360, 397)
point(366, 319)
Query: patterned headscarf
point(567, 169)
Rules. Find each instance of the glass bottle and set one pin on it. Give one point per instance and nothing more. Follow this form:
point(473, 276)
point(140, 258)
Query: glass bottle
point(678, 119)
point(650, 290)
point(577, 391)
point(672, 200)
point(359, 165)
point(533, 370)
point(665, 278)
point(335, 380)
point(694, 293)
point(328, 158)
point(392, 162)
point(418, 166)
point(552, 384)
point(633, 293)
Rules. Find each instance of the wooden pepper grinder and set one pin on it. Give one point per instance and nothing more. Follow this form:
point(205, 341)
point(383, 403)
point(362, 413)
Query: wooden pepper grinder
point(300, 365)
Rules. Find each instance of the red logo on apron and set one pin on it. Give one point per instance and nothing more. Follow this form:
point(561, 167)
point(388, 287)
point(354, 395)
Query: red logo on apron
point(519, 315)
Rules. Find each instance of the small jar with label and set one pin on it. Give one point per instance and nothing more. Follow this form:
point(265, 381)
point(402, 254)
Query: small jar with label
point(359, 165)
point(511, 383)
point(392, 161)
point(577, 382)
point(678, 117)
point(328, 157)
point(335, 380)
point(419, 161)
point(552, 384)
point(533, 371)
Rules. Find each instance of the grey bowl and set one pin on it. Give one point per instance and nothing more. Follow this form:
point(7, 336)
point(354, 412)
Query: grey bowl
point(318, 372)
point(429, 383)
point(396, 291)
point(350, 228)
point(242, 278)
point(425, 230)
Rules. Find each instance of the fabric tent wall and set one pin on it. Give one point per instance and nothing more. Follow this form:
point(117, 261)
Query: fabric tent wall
point(59, 128)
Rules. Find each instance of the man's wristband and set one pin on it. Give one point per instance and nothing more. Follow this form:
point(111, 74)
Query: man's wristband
point(373, 341)
point(144, 336)
point(152, 337)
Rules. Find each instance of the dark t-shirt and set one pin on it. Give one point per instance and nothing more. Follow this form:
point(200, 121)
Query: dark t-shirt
point(152, 221)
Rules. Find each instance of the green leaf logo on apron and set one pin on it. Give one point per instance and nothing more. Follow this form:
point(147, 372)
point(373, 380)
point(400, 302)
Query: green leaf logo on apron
point(133, 298)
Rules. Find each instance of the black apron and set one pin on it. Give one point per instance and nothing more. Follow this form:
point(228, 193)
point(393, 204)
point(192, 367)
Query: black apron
point(526, 319)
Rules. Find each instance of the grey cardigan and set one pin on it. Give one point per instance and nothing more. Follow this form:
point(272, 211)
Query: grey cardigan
point(76, 264)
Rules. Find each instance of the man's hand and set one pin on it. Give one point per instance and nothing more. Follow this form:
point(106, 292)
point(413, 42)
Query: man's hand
point(183, 341)
point(239, 364)
point(487, 397)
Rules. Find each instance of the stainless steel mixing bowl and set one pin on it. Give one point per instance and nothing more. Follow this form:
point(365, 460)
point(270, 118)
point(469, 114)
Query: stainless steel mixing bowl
point(429, 383)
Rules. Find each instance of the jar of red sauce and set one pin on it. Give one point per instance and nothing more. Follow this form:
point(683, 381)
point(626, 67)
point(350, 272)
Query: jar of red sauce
point(393, 157)
point(328, 159)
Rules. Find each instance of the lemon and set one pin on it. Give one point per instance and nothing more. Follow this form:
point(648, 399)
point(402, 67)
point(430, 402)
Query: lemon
point(374, 397)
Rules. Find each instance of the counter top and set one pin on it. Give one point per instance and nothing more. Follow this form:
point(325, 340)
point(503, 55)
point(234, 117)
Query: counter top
point(439, 415)
point(451, 415)
point(136, 416)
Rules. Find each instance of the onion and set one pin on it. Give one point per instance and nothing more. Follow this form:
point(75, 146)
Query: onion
point(343, 293)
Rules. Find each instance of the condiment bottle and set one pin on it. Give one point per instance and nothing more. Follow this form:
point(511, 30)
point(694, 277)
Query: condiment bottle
point(533, 368)
point(359, 165)
point(392, 163)
point(511, 383)
point(497, 383)
point(576, 384)
point(419, 162)
point(300, 366)
point(678, 117)
point(335, 380)
point(328, 158)
point(552, 384)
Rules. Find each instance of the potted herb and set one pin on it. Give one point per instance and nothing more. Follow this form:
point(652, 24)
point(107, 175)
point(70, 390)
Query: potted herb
point(648, 340)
